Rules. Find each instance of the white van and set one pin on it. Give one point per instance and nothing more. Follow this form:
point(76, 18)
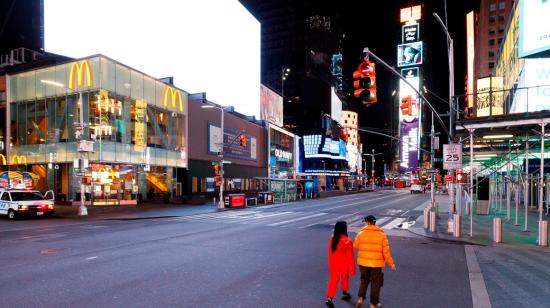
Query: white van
point(19, 202)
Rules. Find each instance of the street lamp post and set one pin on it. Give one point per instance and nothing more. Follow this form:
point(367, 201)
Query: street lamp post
point(284, 74)
point(221, 204)
point(372, 164)
point(450, 52)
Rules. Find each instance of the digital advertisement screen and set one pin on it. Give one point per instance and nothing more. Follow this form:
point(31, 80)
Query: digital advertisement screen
point(409, 54)
point(207, 46)
point(534, 30)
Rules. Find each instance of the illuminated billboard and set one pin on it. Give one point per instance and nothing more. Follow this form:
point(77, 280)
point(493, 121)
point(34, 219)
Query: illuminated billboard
point(534, 28)
point(533, 91)
point(318, 146)
point(489, 99)
point(409, 123)
point(470, 49)
point(271, 106)
point(409, 54)
point(411, 14)
point(208, 46)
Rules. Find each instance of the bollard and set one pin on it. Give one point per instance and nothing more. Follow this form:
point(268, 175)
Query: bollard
point(432, 221)
point(543, 233)
point(427, 218)
point(497, 230)
point(456, 225)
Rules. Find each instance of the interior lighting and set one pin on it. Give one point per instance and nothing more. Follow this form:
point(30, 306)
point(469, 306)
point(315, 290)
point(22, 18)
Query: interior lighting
point(498, 136)
point(485, 155)
point(53, 83)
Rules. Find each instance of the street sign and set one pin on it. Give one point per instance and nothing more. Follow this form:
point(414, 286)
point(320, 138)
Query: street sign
point(452, 156)
point(448, 178)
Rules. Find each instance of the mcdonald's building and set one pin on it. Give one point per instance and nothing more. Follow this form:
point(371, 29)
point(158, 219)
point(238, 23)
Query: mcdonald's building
point(135, 125)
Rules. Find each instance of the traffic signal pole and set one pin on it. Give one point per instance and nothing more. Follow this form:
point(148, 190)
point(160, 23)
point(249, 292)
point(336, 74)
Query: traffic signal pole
point(396, 73)
point(221, 204)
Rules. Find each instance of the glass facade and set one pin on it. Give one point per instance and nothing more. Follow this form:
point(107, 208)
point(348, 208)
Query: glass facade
point(281, 154)
point(134, 121)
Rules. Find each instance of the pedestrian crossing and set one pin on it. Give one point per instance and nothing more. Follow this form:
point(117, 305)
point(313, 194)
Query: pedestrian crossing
point(294, 219)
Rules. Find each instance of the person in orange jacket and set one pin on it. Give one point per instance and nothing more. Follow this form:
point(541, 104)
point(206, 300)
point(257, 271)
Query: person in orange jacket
point(373, 253)
point(341, 263)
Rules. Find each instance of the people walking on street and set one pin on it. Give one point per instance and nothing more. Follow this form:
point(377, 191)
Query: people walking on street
point(341, 263)
point(373, 253)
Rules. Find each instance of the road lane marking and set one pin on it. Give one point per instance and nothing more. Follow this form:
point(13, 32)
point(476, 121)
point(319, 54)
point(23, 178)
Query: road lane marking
point(91, 258)
point(480, 296)
point(284, 222)
point(392, 224)
point(355, 203)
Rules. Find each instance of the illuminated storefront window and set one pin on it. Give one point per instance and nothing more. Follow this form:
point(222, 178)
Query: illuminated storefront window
point(135, 127)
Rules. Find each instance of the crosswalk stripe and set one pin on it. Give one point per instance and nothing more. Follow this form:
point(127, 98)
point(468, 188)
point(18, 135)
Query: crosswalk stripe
point(296, 219)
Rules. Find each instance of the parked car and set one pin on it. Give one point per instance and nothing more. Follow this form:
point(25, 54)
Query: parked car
point(15, 203)
point(416, 188)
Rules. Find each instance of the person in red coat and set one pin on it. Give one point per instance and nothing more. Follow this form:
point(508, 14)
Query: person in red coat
point(341, 262)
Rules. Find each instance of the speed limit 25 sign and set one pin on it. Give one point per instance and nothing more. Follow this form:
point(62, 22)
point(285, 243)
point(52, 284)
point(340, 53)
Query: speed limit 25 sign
point(452, 156)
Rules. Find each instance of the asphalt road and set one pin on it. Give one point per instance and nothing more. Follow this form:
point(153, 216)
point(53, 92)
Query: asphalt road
point(272, 256)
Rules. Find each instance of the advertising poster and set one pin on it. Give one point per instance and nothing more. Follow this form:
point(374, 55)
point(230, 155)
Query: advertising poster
point(409, 146)
point(140, 132)
point(533, 93)
point(409, 54)
point(489, 98)
point(231, 144)
point(271, 106)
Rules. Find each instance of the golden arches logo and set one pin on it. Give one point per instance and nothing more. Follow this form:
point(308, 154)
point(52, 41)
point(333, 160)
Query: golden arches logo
point(174, 94)
point(3, 159)
point(80, 68)
point(18, 160)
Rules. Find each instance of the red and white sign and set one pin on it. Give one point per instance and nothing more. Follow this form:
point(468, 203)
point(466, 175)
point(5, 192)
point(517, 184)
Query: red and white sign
point(448, 178)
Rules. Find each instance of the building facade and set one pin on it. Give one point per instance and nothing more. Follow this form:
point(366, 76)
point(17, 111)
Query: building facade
point(242, 163)
point(135, 127)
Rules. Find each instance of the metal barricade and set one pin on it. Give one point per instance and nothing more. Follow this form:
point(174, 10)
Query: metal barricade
point(497, 230)
point(543, 233)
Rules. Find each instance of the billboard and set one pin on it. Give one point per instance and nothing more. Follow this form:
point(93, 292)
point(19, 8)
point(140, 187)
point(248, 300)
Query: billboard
point(335, 106)
point(318, 146)
point(533, 92)
point(169, 27)
point(409, 121)
point(490, 98)
point(271, 106)
point(409, 54)
point(534, 28)
point(470, 51)
point(231, 147)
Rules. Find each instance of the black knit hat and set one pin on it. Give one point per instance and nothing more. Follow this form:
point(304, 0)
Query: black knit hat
point(370, 219)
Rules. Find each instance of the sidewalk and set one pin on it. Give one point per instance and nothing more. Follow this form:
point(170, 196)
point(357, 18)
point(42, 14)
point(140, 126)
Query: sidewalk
point(483, 225)
point(513, 273)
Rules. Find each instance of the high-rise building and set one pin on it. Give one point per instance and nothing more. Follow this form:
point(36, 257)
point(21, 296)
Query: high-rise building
point(301, 36)
point(491, 26)
point(21, 25)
